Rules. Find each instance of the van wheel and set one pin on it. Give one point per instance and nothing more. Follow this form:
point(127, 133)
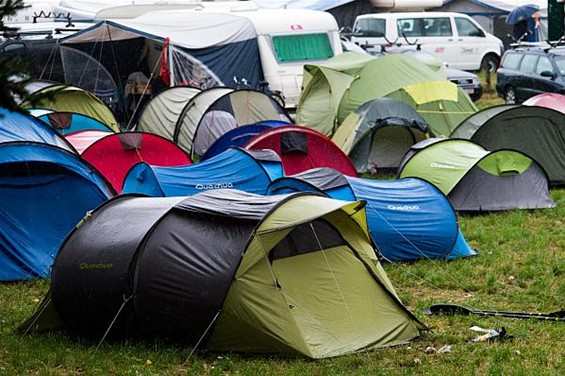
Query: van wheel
point(490, 63)
point(510, 95)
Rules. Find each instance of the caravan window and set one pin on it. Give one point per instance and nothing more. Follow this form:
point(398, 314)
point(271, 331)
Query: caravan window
point(289, 48)
point(370, 27)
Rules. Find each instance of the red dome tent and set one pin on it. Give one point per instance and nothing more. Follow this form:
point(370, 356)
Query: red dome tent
point(116, 153)
point(302, 148)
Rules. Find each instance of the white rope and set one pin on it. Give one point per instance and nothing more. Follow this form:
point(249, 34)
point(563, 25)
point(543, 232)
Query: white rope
point(203, 335)
point(113, 321)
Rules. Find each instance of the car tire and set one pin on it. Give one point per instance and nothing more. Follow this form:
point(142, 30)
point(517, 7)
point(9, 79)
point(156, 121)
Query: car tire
point(510, 95)
point(490, 63)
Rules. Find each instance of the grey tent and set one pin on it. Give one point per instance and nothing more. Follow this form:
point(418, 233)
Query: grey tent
point(538, 132)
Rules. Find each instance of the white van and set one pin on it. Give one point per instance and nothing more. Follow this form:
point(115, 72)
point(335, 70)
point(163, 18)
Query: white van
point(454, 38)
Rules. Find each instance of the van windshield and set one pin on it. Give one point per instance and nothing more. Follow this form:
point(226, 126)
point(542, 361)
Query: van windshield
point(289, 48)
point(370, 27)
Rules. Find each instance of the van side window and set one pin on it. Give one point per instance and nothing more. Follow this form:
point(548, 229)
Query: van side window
point(529, 63)
point(370, 27)
point(466, 28)
point(410, 27)
point(290, 48)
point(437, 27)
point(12, 49)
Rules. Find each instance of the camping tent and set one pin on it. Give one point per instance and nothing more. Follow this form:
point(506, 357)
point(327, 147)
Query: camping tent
point(73, 99)
point(377, 134)
point(555, 101)
point(226, 112)
point(83, 139)
point(337, 87)
point(442, 103)
point(160, 114)
point(69, 122)
point(475, 179)
point(302, 148)
point(202, 49)
point(536, 131)
point(44, 192)
point(288, 274)
point(115, 154)
point(408, 219)
point(246, 170)
point(239, 136)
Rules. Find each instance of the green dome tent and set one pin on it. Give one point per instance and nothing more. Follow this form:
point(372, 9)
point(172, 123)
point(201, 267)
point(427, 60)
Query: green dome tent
point(227, 270)
point(377, 134)
point(536, 131)
point(442, 103)
point(68, 98)
point(475, 179)
point(336, 88)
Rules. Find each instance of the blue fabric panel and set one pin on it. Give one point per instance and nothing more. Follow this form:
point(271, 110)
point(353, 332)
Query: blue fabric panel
point(141, 179)
point(461, 248)
point(409, 219)
point(221, 59)
point(235, 137)
point(232, 169)
point(42, 198)
point(79, 123)
point(18, 127)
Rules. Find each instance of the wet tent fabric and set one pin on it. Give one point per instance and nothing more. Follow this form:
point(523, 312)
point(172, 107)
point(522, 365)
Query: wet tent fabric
point(409, 219)
point(83, 139)
point(302, 148)
point(161, 113)
point(554, 101)
point(469, 126)
point(475, 179)
point(115, 154)
point(192, 112)
point(73, 99)
point(377, 134)
point(334, 89)
point(265, 292)
point(535, 131)
point(239, 136)
point(231, 110)
point(38, 181)
point(442, 104)
point(236, 168)
point(68, 122)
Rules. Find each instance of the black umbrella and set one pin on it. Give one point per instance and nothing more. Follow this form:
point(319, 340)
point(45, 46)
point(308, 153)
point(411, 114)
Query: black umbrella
point(524, 12)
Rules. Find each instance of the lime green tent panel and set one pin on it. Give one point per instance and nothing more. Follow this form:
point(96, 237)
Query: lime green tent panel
point(360, 79)
point(383, 76)
point(324, 93)
point(444, 164)
point(74, 99)
point(322, 303)
point(442, 104)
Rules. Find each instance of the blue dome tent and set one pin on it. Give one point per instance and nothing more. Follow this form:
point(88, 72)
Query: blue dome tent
point(247, 170)
point(409, 219)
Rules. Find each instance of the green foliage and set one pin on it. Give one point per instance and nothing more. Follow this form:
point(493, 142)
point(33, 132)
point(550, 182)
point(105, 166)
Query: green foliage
point(13, 69)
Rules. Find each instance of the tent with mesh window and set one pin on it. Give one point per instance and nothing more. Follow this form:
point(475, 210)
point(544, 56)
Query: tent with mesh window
point(45, 190)
point(236, 168)
point(266, 261)
point(475, 179)
point(409, 219)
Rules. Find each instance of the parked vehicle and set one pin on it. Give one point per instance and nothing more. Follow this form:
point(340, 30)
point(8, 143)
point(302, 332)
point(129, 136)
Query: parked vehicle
point(528, 71)
point(452, 37)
